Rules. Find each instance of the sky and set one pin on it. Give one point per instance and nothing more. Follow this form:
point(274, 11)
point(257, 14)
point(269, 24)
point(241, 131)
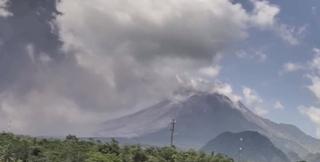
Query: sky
point(67, 66)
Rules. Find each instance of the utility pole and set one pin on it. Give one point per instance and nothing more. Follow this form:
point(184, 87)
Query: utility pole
point(173, 123)
point(240, 148)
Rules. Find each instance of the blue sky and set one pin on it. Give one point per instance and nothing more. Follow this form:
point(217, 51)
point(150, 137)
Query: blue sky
point(267, 76)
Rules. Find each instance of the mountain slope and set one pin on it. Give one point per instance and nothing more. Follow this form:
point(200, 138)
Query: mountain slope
point(246, 146)
point(200, 117)
point(313, 157)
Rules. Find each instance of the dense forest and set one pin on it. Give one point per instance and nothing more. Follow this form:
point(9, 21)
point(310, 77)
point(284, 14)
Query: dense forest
point(16, 148)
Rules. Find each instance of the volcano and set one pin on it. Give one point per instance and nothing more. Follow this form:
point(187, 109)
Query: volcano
point(200, 117)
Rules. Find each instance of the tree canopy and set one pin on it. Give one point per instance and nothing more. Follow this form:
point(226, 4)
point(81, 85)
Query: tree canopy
point(15, 148)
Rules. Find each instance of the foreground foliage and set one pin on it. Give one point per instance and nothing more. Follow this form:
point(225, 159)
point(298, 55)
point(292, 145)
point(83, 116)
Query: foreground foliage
point(26, 149)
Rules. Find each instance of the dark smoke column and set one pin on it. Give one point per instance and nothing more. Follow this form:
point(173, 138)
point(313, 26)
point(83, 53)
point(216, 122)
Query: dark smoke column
point(31, 26)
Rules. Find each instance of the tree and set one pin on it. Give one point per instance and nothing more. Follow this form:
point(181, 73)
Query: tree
point(100, 157)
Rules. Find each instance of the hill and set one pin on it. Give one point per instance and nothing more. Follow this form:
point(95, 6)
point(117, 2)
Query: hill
point(246, 146)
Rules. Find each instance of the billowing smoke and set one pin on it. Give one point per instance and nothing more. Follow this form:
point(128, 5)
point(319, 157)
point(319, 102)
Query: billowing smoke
point(42, 87)
point(66, 66)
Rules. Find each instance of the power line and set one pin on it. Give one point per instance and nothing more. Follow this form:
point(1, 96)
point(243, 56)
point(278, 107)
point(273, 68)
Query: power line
point(173, 123)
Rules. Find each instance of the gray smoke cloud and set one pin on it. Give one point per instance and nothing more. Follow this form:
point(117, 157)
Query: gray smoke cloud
point(67, 65)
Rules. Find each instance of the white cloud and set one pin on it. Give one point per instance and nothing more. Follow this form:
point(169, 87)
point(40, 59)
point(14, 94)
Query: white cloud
point(291, 34)
point(148, 28)
point(264, 16)
point(3, 11)
point(242, 54)
point(312, 67)
point(313, 74)
point(137, 46)
point(313, 113)
point(278, 105)
point(261, 56)
point(264, 13)
point(315, 85)
point(253, 101)
point(252, 54)
point(316, 50)
point(211, 71)
point(315, 63)
point(292, 67)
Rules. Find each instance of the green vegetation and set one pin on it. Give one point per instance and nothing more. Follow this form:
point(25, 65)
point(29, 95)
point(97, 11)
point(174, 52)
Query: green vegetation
point(15, 148)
